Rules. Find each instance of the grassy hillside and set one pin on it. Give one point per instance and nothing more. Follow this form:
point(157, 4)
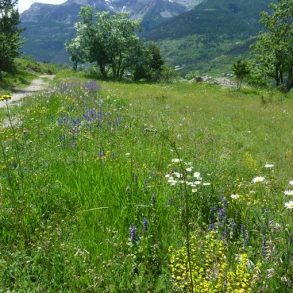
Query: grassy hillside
point(100, 187)
point(213, 56)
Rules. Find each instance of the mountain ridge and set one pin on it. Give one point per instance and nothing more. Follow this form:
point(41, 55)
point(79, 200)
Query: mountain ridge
point(213, 22)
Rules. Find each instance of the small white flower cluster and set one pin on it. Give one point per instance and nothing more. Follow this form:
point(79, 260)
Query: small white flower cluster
point(258, 179)
point(234, 196)
point(192, 179)
point(289, 192)
point(269, 166)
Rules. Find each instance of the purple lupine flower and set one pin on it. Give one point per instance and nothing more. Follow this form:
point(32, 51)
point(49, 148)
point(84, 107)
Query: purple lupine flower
point(91, 115)
point(232, 227)
point(133, 234)
point(212, 218)
point(91, 86)
point(145, 224)
point(245, 235)
point(101, 154)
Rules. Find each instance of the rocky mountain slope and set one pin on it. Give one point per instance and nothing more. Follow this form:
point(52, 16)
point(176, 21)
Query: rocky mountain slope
point(189, 32)
point(48, 26)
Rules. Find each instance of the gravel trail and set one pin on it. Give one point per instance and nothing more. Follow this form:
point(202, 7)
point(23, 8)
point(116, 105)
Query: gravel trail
point(37, 85)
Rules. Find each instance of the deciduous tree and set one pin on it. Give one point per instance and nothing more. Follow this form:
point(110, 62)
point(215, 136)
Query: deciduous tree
point(106, 39)
point(274, 48)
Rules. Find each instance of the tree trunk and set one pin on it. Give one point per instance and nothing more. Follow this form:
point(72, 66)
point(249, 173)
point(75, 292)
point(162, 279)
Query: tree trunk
point(289, 85)
point(102, 69)
point(119, 66)
point(277, 78)
point(114, 70)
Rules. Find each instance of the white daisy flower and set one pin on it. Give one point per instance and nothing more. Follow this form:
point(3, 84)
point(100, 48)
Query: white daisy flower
point(269, 166)
point(291, 182)
point(197, 175)
point(193, 190)
point(189, 169)
point(289, 205)
point(206, 184)
point(234, 196)
point(288, 192)
point(176, 160)
point(258, 179)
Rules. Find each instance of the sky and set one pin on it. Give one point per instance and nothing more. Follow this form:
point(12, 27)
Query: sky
point(25, 4)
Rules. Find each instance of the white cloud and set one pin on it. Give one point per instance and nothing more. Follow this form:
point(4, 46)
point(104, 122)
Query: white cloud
point(25, 4)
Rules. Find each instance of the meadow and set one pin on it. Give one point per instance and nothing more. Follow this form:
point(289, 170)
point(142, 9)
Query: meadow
point(123, 187)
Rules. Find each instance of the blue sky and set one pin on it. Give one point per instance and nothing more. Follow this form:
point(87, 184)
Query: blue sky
point(25, 4)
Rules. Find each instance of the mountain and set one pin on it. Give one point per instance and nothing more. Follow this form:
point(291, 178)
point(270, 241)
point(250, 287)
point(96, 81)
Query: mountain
point(210, 37)
point(47, 26)
point(213, 17)
point(206, 35)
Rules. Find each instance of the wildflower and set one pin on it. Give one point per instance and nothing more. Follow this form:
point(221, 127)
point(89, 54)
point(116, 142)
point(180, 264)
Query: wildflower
point(145, 224)
point(206, 184)
point(288, 192)
point(90, 115)
point(234, 196)
point(127, 154)
point(176, 160)
point(291, 182)
point(289, 205)
point(189, 169)
point(193, 190)
point(196, 183)
point(133, 235)
point(197, 175)
point(178, 175)
point(270, 272)
point(5, 98)
point(258, 179)
point(269, 166)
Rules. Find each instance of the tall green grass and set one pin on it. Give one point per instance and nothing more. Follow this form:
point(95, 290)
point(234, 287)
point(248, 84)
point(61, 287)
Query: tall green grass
point(88, 207)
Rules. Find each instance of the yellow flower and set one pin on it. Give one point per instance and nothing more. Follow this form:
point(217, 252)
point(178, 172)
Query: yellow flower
point(5, 98)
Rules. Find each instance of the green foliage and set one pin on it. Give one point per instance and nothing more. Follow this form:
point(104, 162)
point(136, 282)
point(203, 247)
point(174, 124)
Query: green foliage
point(273, 50)
point(150, 64)
point(108, 40)
point(10, 41)
point(241, 71)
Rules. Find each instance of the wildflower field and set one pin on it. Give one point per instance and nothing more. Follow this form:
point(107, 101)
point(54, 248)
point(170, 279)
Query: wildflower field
point(116, 187)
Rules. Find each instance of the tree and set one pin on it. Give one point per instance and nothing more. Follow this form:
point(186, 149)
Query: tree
point(106, 39)
point(240, 70)
point(76, 52)
point(273, 50)
point(150, 64)
point(10, 42)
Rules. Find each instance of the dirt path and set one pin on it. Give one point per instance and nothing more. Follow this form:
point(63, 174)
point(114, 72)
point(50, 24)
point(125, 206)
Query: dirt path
point(39, 84)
